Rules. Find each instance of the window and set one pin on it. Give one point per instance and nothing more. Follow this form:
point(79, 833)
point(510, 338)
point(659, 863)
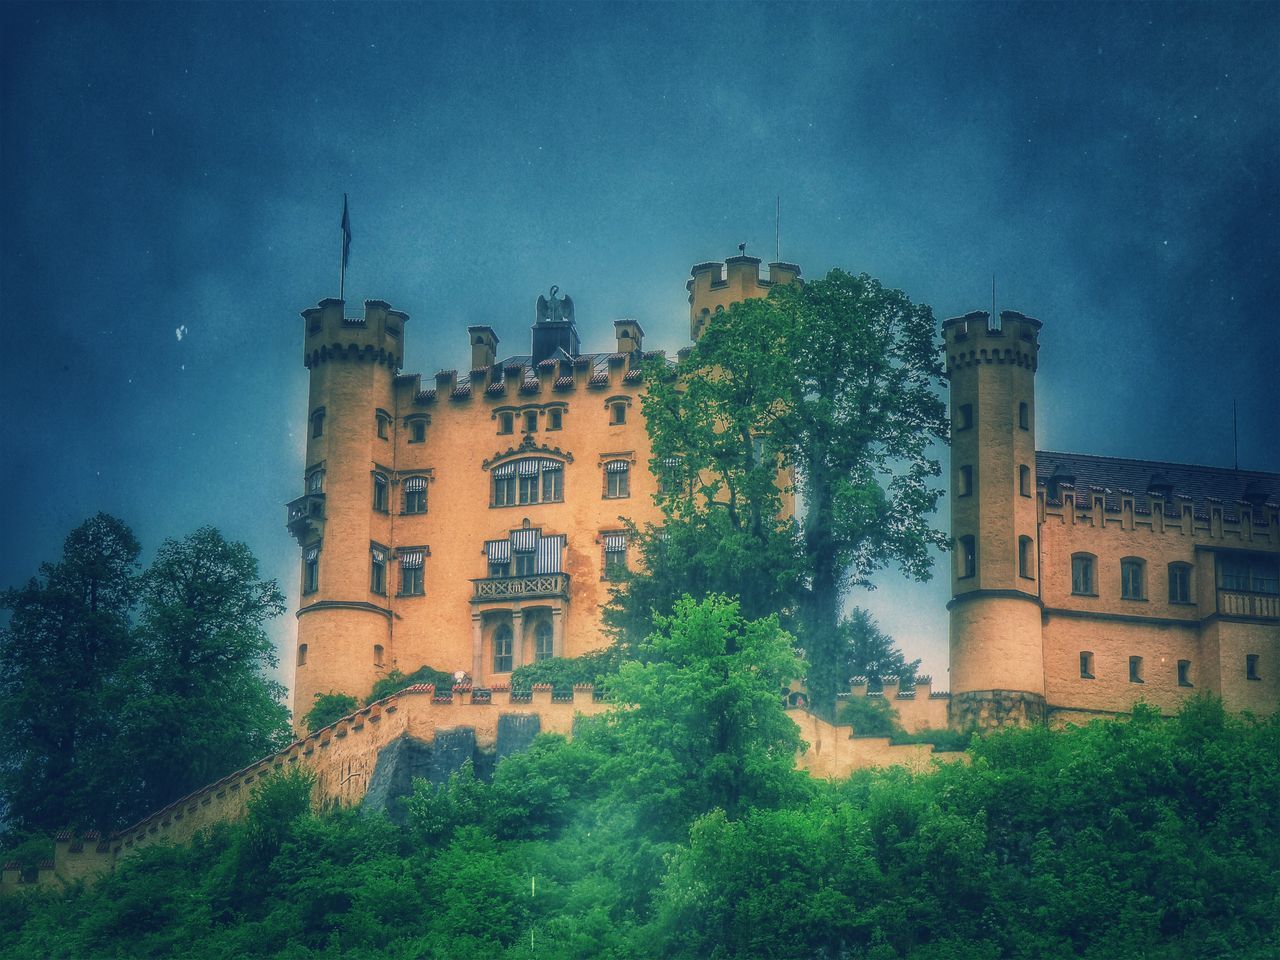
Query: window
point(542, 648)
point(1024, 416)
point(1135, 670)
point(617, 474)
point(415, 495)
point(526, 564)
point(502, 649)
point(1132, 585)
point(671, 479)
point(617, 413)
point(380, 488)
point(555, 419)
point(615, 556)
point(967, 557)
point(315, 481)
point(530, 421)
point(377, 654)
point(1179, 583)
point(1251, 667)
point(311, 569)
point(418, 430)
point(317, 423)
point(384, 424)
point(506, 422)
point(1250, 573)
point(302, 654)
point(499, 568)
point(532, 480)
point(1026, 561)
point(1086, 665)
point(963, 418)
point(411, 573)
point(378, 570)
point(1024, 480)
point(965, 485)
point(1184, 673)
point(1082, 581)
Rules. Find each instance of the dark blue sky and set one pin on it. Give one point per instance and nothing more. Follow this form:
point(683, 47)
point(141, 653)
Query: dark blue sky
point(1117, 167)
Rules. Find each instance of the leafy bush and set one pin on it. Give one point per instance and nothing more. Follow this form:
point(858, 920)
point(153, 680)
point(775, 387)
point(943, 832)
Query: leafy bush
point(870, 717)
point(944, 739)
point(563, 672)
point(395, 681)
point(329, 708)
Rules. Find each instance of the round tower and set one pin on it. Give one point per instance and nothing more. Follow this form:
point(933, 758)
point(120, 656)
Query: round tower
point(997, 660)
point(344, 621)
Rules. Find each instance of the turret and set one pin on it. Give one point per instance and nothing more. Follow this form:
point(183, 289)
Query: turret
point(716, 286)
point(484, 347)
point(629, 334)
point(997, 662)
point(343, 626)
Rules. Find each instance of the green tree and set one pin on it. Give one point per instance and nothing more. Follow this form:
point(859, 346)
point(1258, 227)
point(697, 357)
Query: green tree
point(329, 708)
point(204, 705)
point(864, 650)
point(834, 383)
point(61, 670)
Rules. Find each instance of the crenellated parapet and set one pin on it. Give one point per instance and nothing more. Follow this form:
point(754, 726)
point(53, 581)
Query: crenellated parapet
point(973, 339)
point(715, 286)
point(377, 337)
point(918, 707)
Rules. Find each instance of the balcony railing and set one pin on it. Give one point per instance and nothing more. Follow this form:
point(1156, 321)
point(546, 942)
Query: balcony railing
point(1240, 603)
point(521, 588)
point(303, 513)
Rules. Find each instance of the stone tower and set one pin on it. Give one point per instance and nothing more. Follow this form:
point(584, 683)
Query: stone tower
point(344, 627)
point(997, 659)
point(716, 286)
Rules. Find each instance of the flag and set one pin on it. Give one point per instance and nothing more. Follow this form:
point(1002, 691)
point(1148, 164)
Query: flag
point(346, 232)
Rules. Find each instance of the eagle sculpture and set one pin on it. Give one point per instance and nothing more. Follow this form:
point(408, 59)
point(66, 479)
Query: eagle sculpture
point(553, 308)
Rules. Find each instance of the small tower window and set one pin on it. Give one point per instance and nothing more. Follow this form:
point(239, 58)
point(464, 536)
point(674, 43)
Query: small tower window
point(1024, 480)
point(617, 475)
point(555, 419)
point(542, 641)
point(302, 654)
point(531, 421)
point(317, 423)
point(1132, 579)
point(1026, 558)
point(1184, 673)
point(1082, 579)
point(384, 424)
point(617, 413)
point(1135, 670)
point(1251, 667)
point(1086, 665)
point(963, 418)
point(1179, 583)
point(506, 422)
point(967, 557)
point(378, 570)
point(380, 487)
point(377, 654)
point(965, 481)
point(311, 569)
point(1024, 416)
point(502, 649)
point(415, 495)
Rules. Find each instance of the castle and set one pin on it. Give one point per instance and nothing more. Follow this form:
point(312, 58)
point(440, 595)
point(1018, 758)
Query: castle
point(474, 523)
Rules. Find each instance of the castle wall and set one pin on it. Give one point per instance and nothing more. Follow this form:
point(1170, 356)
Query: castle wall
point(835, 752)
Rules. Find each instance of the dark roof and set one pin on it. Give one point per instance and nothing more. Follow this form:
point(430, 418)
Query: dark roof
point(1149, 480)
point(587, 365)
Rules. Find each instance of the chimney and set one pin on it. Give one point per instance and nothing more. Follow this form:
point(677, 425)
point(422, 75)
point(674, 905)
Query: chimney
point(630, 336)
point(484, 347)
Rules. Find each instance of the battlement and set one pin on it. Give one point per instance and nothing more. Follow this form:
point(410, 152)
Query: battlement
point(975, 339)
point(715, 286)
point(330, 335)
point(918, 707)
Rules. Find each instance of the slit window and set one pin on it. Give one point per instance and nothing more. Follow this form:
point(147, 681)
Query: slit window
point(1132, 585)
point(1082, 579)
point(1086, 665)
point(964, 417)
point(967, 557)
point(1179, 583)
point(1026, 558)
point(503, 647)
point(1024, 416)
point(1135, 670)
point(1184, 673)
point(965, 481)
point(1024, 480)
point(377, 654)
point(1251, 667)
point(302, 654)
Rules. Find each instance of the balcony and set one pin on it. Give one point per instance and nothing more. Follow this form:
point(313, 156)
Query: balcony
point(1242, 603)
point(304, 516)
point(522, 588)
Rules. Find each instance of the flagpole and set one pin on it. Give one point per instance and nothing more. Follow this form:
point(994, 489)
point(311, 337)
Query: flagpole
point(342, 270)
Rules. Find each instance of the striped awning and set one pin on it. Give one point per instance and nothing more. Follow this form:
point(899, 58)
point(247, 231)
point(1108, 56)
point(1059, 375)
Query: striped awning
point(524, 541)
point(411, 559)
point(615, 542)
point(550, 554)
point(617, 466)
point(506, 470)
point(551, 465)
point(414, 484)
point(499, 551)
point(379, 554)
point(528, 468)
point(313, 553)
point(671, 461)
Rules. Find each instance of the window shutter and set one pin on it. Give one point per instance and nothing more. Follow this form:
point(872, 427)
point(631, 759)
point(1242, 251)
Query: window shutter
point(615, 542)
point(412, 559)
point(524, 541)
point(550, 552)
point(499, 551)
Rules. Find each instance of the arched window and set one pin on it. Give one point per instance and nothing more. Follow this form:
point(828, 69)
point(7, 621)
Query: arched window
point(311, 569)
point(377, 654)
point(302, 654)
point(1133, 579)
point(383, 420)
point(417, 429)
point(1024, 480)
point(1026, 558)
point(1083, 581)
point(542, 641)
point(502, 648)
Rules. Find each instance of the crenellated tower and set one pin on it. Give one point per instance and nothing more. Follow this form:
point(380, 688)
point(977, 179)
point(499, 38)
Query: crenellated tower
point(997, 659)
point(344, 623)
point(716, 286)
